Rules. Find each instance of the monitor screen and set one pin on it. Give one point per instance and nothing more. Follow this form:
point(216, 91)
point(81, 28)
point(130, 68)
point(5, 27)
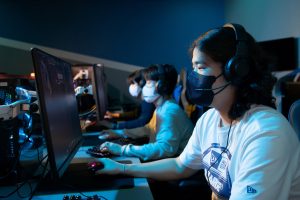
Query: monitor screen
point(58, 109)
point(90, 89)
point(83, 82)
point(283, 53)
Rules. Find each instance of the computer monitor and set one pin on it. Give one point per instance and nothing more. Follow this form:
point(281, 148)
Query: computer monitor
point(58, 108)
point(101, 92)
point(282, 52)
point(90, 89)
point(60, 117)
point(83, 81)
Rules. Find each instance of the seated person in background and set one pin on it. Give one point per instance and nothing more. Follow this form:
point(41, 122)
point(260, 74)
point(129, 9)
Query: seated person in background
point(142, 114)
point(169, 128)
point(84, 92)
point(247, 148)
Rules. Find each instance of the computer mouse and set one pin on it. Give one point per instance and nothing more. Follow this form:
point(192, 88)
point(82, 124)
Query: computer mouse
point(95, 166)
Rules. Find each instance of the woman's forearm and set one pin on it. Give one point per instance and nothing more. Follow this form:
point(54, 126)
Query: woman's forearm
point(165, 169)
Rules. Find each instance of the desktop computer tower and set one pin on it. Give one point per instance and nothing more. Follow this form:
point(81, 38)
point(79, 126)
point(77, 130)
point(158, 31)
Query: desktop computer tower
point(9, 151)
point(9, 133)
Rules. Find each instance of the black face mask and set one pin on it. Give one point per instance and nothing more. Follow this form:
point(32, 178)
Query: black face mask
point(199, 88)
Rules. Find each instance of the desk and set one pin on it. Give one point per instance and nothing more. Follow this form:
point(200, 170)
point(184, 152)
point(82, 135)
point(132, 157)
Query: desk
point(140, 190)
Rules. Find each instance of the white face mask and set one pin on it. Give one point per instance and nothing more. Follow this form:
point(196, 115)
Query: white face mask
point(134, 89)
point(149, 92)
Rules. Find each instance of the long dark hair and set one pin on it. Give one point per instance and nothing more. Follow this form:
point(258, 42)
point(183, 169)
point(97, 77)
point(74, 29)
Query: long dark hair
point(220, 45)
point(165, 74)
point(136, 77)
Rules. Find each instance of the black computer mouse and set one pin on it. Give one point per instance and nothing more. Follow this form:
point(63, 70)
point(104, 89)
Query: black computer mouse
point(95, 166)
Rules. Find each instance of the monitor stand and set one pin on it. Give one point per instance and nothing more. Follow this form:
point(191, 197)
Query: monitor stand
point(78, 179)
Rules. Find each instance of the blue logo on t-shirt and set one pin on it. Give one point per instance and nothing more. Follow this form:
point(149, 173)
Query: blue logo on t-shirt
point(216, 161)
point(250, 189)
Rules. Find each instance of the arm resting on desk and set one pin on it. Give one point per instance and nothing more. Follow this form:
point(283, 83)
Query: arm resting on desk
point(137, 132)
point(131, 133)
point(166, 169)
point(165, 143)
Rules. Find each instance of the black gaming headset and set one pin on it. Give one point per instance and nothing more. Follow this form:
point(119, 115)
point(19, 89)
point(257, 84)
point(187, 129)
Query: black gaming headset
point(238, 67)
point(162, 86)
point(141, 79)
point(167, 79)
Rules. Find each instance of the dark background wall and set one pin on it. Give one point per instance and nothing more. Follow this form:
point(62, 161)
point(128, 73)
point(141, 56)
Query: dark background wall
point(137, 32)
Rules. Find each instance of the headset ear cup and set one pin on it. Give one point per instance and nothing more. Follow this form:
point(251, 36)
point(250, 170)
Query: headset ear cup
point(142, 83)
point(160, 87)
point(228, 68)
point(237, 69)
point(161, 82)
point(165, 85)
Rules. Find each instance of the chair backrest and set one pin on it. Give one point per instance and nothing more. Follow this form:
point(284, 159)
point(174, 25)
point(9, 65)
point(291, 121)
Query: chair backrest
point(294, 116)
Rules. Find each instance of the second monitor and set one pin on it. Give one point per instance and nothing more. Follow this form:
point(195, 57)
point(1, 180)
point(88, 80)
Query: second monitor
point(90, 89)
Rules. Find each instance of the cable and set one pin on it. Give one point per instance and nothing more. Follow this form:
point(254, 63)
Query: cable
point(11, 193)
point(227, 142)
point(26, 196)
point(41, 161)
point(27, 181)
point(42, 176)
point(20, 185)
point(12, 170)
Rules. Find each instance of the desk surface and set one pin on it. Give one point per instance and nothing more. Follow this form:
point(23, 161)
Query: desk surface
point(140, 190)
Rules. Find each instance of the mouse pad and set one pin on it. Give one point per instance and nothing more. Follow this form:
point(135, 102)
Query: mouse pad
point(79, 178)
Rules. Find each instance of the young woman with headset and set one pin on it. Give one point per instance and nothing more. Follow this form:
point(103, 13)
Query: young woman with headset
point(169, 128)
point(247, 149)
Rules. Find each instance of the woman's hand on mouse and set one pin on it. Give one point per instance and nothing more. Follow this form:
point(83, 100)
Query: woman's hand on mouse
point(110, 167)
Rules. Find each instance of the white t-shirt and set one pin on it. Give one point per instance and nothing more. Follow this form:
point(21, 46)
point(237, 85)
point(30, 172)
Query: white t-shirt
point(261, 161)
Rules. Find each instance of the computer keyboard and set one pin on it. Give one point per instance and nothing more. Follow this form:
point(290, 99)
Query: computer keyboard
point(80, 197)
point(95, 151)
point(98, 153)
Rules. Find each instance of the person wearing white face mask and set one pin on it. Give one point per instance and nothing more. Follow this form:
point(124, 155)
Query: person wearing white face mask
point(169, 128)
point(135, 89)
point(137, 117)
point(150, 94)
